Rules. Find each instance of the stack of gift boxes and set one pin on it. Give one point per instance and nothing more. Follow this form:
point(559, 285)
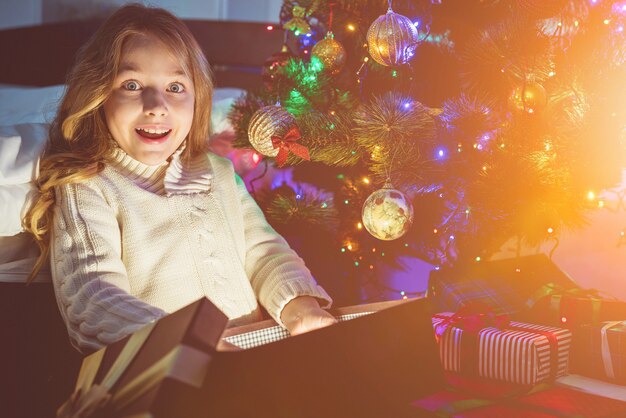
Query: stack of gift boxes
point(525, 322)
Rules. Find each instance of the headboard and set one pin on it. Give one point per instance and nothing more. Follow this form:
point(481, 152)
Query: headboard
point(41, 55)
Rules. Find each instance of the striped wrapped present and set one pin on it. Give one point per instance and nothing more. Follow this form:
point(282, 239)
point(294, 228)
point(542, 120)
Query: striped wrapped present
point(512, 351)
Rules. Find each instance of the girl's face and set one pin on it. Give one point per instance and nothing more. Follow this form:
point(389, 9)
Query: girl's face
point(150, 110)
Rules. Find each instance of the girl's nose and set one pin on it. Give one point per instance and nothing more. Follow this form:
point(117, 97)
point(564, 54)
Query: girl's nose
point(154, 103)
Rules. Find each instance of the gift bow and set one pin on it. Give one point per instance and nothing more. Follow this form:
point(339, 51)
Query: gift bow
point(288, 143)
point(472, 318)
point(183, 363)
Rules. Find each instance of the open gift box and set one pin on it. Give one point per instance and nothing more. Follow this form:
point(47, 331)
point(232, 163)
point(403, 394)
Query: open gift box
point(372, 365)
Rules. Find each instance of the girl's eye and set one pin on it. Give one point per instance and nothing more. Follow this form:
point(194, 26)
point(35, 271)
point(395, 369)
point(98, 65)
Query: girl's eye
point(131, 85)
point(176, 88)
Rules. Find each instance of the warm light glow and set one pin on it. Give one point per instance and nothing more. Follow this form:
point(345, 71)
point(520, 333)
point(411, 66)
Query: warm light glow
point(366, 180)
point(256, 158)
point(269, 27)
point(550, 230)
point(359, 225)
point(349, 246)
point(477, 258)
point(600, 203)
point(591, 195)
point(351, 27)
point(435, 231)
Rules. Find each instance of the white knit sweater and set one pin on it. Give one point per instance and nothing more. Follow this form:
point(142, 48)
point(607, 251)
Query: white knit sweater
point(137, 242)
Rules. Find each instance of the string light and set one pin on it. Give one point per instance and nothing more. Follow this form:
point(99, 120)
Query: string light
point(477, 258)
point(366, 180)
point(269, 27)
point(351, 27)
point(591, 195)
point(359, 225)
point(550, 230)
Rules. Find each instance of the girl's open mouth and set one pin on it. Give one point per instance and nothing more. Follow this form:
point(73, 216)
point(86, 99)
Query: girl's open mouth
point(153, 134)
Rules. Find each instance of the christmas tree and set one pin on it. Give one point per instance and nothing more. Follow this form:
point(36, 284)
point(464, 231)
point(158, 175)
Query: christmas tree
point(439, 129)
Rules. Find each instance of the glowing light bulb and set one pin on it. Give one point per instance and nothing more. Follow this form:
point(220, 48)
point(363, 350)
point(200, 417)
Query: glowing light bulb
point(550, 230)
point(591, 195)
point(351, 27)
point(359, 225)
point(269, 27)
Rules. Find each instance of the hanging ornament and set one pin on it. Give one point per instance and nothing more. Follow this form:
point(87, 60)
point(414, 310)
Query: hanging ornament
point(298, 23)
point(531, 97)
point(267, 122)
point(387, 213)
point(541, 8)
point(331, 54)
point(273, 67)
point(392, 39)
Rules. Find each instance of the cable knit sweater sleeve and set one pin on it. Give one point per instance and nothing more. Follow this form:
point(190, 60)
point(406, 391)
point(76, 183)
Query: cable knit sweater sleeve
point(89, 278)
point(276, 272)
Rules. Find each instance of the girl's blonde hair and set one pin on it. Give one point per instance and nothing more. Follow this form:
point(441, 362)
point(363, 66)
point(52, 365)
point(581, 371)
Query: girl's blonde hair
point(79, 141)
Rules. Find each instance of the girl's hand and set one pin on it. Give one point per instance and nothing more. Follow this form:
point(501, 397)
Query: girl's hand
point(303, 314)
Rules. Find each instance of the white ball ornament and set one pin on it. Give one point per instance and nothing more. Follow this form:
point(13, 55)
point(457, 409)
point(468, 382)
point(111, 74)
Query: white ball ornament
point(387, 213)
point(267, 122)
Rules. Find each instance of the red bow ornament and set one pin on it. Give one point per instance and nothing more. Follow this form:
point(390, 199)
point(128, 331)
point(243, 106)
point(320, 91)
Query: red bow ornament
point(288, 143)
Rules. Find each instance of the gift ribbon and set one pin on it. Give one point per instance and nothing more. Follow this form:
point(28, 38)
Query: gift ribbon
point(183, 363)
point(607, 359)
point(472, 318)
point(288, 144)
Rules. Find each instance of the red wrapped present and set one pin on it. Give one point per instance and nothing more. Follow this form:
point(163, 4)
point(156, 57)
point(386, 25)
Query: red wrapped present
point(599, 351)
point(481, 344)
point(554, 305)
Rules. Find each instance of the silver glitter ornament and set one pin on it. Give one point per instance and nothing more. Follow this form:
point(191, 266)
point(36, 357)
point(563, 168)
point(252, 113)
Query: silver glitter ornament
point(267, 122)
point(392, 39)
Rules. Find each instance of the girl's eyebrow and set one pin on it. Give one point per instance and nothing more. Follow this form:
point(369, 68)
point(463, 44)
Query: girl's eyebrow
point(132, 68)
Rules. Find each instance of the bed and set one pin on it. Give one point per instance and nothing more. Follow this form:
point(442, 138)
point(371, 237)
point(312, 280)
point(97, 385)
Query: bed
point(39, 364)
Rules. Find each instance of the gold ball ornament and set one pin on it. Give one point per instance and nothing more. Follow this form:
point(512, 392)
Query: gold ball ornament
point(387, 213)
point(331, 54)
point(267, 122)
point(392, 39)
point(531, 97)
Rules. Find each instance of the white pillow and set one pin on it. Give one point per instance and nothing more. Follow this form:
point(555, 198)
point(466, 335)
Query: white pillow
point(15, 200)
point(29, 104)
point(20, 147)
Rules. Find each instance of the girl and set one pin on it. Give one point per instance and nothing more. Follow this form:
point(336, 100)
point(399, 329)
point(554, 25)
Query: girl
point(137, 218)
